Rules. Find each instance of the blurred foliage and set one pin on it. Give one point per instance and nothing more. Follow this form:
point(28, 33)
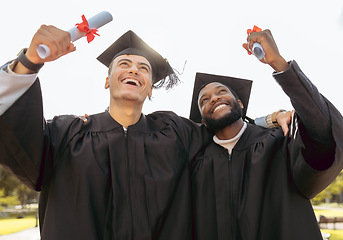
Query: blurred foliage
point(333, 193)
point(7, 200)
point(14, 192)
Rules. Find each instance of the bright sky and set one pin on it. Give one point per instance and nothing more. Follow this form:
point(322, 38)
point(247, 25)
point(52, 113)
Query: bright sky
point(206, 34)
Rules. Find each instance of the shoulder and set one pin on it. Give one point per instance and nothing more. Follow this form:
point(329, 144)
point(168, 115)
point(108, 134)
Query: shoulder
point(66, 119)
point(159, 120)
point(171, 118)
point(96, 122)
point(258, 132)
point(62, 125)
point(184, 127)
point(166, 117)
point(163, 115)
point(257, 135)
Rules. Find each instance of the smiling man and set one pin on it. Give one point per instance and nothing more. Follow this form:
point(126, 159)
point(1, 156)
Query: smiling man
point(119, 175)
point(129, 85)
point(222, 114)
point(255, 183)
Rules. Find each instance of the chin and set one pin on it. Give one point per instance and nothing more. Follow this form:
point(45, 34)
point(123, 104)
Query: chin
point(215, 124)
point(132, 97)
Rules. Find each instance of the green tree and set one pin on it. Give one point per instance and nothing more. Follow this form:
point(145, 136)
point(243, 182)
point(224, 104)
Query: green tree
point(7, 200)
point(331, 192)
point(11, 187)
point(8, 182)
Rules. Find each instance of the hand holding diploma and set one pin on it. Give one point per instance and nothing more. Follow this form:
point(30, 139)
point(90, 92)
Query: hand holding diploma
point(257, 49)
point(50, 43)
point(263, 46)
point(86, 28)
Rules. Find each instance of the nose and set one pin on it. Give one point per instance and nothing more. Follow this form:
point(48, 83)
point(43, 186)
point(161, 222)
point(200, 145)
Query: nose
point(214, 99)
point(133, 69)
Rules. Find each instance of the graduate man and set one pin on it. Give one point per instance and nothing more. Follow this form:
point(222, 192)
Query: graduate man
point(255, 183)
point(120, 174)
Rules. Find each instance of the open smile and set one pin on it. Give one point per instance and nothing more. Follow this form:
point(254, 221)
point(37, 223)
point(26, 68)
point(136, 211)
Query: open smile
point(132, 81)
point(218, 107)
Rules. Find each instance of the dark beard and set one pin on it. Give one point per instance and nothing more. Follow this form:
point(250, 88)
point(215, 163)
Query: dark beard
point(216, 124)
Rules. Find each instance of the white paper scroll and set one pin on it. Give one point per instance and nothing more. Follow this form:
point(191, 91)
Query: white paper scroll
point(258, 51)
point(94, 22)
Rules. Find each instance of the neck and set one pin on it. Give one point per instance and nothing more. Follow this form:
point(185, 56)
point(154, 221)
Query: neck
point(127, 113)
point(230, 131)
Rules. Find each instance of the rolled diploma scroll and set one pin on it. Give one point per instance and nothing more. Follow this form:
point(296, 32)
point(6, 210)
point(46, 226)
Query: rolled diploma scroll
point(258, 51)
point(94, 22)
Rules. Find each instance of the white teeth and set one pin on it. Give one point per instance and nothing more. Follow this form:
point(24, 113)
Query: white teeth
point(219, 107)
point(130, 80)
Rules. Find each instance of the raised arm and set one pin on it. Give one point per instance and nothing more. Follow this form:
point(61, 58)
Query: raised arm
point(317, 142)
point(17, 76)
point(56, 39)
point(21, 112)
point(299, 89)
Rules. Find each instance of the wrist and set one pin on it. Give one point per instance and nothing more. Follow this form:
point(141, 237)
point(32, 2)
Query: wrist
point(279, 65)
point(25, 65)
point(32, 55)
point(271, 119)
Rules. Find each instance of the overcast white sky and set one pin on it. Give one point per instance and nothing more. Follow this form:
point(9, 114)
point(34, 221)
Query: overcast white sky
point(206, 34)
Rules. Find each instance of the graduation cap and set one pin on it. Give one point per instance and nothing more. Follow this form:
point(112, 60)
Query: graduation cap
point(130, 44)
point(241, 87)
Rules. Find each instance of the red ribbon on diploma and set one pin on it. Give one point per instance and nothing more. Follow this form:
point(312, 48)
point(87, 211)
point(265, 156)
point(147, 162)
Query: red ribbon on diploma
point(255, 29)
point(84, 27)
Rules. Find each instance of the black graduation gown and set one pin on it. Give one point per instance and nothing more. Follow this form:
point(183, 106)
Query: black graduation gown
point(96, 181)
point(262, 189)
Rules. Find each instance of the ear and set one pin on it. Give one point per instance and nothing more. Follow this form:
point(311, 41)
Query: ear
point(240, 104)
point(107, 84)
point(150, 92)
point(203, 122)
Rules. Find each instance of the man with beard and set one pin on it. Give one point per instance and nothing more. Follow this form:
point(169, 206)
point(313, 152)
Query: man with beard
point(255, 183)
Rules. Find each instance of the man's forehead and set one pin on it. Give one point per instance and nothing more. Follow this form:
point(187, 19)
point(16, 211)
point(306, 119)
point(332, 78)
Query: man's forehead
point(131, 57)
point(210, 86)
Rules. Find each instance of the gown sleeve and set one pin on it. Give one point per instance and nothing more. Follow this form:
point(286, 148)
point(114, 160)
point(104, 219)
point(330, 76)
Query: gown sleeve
point(194, 136)
point(12, 85)
point(316, 140)
point(28, 144)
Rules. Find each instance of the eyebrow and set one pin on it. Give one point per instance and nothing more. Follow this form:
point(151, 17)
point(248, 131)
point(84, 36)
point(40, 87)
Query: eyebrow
point(217, 87)
point(139, 63)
